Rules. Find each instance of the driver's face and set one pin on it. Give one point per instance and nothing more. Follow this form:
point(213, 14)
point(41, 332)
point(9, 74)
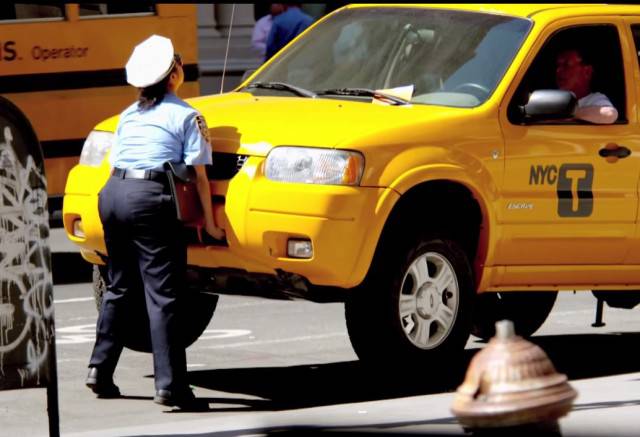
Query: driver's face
point(571, 72)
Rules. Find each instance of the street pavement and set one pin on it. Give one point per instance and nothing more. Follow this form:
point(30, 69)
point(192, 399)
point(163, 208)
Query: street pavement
point(270, 367)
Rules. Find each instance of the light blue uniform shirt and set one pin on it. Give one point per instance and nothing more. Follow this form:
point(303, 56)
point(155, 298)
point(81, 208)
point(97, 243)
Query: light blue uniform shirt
point(172, 131)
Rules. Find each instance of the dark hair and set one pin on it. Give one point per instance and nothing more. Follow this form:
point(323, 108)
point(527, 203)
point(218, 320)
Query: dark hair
point(586, 55)
point(153, 94)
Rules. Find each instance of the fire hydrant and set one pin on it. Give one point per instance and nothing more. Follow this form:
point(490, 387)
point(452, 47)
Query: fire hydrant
point(511, 383)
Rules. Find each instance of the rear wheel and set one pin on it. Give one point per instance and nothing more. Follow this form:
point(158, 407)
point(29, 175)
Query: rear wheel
point(527, 311)
point(414, 308)
point(197, 310)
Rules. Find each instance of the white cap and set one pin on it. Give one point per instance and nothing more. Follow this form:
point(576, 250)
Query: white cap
point(150, 61)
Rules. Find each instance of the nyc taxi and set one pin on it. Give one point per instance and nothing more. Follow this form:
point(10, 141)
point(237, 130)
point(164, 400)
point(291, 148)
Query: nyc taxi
point(418, 163)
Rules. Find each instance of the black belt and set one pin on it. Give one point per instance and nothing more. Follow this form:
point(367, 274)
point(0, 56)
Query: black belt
point(130, 173)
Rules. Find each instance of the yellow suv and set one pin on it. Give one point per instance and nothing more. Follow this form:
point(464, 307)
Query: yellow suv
point(418, 163)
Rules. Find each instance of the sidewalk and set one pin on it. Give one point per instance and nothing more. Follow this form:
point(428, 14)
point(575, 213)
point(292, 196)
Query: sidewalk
point(607, 406)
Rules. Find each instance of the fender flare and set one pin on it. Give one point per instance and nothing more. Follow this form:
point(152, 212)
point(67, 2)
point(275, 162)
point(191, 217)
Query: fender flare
point(485, 196)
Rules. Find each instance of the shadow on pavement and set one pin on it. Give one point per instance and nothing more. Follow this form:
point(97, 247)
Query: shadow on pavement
point(578, 356)
point(282, 388)
point(592, 355)
point(70, 268)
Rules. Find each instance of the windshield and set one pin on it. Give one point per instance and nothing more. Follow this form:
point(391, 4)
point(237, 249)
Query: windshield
point(443, 57)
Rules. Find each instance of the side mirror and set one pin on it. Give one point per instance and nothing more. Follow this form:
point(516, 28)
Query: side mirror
point(247, 73)
point(550, 105)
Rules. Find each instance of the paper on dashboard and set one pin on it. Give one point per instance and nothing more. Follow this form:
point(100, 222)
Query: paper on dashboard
point(402, 92)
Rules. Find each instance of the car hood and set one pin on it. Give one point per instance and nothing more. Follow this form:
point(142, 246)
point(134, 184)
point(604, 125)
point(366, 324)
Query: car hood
point(245, 124)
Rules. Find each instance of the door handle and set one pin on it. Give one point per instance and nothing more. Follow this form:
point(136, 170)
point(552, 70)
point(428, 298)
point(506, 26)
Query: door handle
point(612, 152)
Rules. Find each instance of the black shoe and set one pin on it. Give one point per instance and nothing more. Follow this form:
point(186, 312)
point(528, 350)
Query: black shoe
point(101, 385)
point(185, 400)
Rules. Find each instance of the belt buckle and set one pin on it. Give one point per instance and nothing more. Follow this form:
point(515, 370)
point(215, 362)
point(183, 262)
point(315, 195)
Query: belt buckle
point(134, 173)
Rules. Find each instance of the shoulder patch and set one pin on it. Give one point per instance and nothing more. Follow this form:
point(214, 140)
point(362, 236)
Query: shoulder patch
point(202, 127)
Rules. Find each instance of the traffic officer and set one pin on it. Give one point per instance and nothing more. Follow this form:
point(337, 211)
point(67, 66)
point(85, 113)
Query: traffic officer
point(141, 231)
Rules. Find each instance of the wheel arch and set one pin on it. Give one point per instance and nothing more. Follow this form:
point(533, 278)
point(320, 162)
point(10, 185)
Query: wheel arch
point(467, 218)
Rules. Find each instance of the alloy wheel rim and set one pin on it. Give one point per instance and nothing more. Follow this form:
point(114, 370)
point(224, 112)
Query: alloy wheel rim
point(429, 300)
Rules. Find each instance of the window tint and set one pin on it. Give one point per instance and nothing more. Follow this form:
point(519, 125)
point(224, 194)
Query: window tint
point(26, 11)
point(600, 44)
point(130, 7)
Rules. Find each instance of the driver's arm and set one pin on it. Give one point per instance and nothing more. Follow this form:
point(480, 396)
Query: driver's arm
point(597, 114)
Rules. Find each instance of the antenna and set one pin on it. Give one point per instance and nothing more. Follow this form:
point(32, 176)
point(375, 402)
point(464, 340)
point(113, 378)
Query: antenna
point(226, 55)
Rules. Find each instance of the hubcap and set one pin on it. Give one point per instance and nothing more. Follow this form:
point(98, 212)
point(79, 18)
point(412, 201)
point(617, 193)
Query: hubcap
point(429, 300)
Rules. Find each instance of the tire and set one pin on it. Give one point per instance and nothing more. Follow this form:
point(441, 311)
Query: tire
point(404, 315)
point(27, 344)
point(196, 311)
point(527, 311)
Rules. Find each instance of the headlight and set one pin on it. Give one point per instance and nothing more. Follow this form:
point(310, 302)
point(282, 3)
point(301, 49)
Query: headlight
point(96, 147)
point(314, 166)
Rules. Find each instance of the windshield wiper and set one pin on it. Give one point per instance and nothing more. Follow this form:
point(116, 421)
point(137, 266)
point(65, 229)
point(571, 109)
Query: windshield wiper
point(284, 87)
point(363, 92)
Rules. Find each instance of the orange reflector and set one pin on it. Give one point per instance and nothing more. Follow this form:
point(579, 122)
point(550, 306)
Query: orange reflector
point(350, 176)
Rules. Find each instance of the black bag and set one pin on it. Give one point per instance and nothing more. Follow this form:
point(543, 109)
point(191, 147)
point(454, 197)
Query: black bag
point(184, 191)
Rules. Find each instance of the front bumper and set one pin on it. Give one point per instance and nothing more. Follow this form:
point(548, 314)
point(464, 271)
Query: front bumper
point(259, 217)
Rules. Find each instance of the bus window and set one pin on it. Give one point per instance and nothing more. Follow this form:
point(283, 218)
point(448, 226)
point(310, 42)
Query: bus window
point(62, 73)
point(25, 11)
point(99, 9)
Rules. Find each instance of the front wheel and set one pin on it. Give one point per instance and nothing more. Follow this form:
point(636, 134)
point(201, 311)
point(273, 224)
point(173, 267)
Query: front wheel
point(414, 308)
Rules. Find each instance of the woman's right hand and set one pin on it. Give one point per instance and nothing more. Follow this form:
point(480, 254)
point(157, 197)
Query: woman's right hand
point(214, 231)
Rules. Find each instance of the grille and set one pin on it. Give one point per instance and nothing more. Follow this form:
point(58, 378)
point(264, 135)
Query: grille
point(225, 165)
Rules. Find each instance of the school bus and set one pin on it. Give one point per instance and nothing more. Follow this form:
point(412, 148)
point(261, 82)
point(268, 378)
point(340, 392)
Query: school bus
point(62, 68)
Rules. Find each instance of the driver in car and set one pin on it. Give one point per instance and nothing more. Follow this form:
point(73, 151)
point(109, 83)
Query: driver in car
point(574, 72)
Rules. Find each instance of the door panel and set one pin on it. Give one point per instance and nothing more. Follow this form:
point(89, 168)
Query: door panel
point(562, 202)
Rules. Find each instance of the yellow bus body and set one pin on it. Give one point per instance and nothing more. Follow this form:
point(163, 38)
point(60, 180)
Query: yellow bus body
point(67, 74)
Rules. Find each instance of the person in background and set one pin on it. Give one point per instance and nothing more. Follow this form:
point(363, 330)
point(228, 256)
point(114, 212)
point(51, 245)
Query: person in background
point(263, 26)
point(574, 72)
point(141, 230)
point(286, 27)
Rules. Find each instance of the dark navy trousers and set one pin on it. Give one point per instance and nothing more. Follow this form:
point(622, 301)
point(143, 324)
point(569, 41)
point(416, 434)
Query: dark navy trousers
point(143, 239)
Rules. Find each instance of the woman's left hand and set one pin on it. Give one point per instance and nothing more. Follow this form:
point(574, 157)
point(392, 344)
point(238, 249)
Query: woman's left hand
point(214, 231)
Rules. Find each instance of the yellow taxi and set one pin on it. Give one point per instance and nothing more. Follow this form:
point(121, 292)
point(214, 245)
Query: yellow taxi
point(421, 164)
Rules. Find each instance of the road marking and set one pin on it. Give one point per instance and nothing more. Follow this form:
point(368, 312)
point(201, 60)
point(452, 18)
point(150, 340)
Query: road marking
point(76, 299)
point(86, 333)
point(76, 334)
point(260, 303)
point(276, 341)
point(211, 334)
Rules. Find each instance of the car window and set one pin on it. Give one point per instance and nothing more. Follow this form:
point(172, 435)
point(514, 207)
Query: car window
point(601, 43)
point(453, 58)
